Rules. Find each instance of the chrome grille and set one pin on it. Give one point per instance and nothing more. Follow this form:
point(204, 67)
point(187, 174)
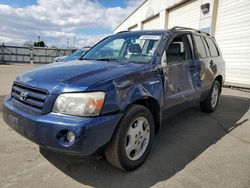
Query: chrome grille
point(29, 97)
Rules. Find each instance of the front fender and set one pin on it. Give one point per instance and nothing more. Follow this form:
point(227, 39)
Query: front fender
point(148, 89)
point(125, 90)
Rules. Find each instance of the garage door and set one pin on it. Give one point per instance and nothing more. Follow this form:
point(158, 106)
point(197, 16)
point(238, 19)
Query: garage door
point(187, 15)
point(152, 23)
point(233, 36)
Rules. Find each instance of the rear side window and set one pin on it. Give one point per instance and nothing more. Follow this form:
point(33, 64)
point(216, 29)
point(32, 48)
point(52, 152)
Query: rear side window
point(206, 46)
point(200, 47)
point(213, 49)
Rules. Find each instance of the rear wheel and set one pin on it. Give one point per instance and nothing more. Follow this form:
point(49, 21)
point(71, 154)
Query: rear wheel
point(210, 103)
point(132, 141)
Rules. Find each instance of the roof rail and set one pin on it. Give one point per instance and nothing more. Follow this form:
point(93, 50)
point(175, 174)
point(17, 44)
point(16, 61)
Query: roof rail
point(121, 32)
point(191, 29)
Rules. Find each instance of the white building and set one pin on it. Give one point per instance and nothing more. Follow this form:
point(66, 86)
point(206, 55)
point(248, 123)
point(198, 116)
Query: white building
point(227, 20)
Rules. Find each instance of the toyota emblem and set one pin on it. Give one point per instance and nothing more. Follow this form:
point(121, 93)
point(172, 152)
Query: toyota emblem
point(23, 95)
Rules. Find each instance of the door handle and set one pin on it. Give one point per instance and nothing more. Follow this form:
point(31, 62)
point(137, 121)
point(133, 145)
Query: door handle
point(211, 63)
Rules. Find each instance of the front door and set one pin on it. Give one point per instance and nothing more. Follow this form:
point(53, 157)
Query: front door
point(181, 74)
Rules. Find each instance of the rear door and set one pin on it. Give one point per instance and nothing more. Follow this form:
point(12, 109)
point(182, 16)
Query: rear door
point(215, 59)
point(207, 65)
point(180, 73)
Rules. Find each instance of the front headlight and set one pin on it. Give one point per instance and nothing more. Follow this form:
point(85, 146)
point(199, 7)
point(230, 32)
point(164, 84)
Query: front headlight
point(79, 104)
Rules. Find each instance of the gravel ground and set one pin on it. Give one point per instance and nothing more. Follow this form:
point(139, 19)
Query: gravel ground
point(194, 149)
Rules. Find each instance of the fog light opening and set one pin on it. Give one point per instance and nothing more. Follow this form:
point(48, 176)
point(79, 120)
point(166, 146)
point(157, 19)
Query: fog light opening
point(70, 136)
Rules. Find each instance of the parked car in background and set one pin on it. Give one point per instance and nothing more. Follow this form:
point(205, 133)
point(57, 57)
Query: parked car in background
point(116, 97)
point(59, 58)
point(76, 54)
point(73, 56)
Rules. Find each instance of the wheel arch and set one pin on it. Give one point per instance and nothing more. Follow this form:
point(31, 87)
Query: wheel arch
point(220, 80)
point(153, 106)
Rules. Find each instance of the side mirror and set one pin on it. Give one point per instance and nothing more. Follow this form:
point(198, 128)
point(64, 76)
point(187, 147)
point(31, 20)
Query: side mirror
point(164, 59)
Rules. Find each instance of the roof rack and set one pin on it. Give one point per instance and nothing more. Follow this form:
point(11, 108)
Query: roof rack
point(191, 29)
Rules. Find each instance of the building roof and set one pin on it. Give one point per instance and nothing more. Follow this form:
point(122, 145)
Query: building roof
point(130, 14)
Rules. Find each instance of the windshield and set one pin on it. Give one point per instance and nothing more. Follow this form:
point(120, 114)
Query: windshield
point(75, 55)
point(132, 47)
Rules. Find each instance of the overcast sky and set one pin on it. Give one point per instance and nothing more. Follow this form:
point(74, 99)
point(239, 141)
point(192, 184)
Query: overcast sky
point(56, 20)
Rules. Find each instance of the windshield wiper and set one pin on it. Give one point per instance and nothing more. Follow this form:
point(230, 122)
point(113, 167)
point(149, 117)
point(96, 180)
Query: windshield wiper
point(106, 59)
point(86, 58)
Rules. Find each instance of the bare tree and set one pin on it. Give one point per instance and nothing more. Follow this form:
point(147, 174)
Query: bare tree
point(28, 43)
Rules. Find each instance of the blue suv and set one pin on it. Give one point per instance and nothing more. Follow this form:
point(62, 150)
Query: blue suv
point(116, 96)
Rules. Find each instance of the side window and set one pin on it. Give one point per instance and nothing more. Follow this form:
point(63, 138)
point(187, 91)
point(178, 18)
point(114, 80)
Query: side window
point(213, 49)
point(206, 46)
point(200, 47)
point(177, 50)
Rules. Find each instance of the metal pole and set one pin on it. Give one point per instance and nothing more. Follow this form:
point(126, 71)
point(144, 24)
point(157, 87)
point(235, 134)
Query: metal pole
point(214, 17)
point(16, 54)
point(46, 55)
point(68, 42)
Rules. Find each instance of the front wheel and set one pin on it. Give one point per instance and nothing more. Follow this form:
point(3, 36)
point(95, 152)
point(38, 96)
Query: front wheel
point(132, 140)
point(210, 103)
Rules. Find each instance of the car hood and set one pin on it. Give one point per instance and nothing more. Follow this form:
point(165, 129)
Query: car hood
point(74, 76)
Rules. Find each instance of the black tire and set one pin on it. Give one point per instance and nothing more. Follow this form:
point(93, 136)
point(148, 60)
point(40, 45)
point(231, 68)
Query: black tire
point(115, 151)
point(206, 105)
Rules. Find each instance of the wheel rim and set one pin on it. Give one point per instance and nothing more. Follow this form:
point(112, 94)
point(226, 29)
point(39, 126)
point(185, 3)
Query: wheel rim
point(215, 95)
point(137, 138)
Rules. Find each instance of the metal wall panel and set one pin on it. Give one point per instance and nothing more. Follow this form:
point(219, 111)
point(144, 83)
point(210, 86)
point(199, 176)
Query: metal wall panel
point(36, 59)
point(23, 51)
point(26, 59)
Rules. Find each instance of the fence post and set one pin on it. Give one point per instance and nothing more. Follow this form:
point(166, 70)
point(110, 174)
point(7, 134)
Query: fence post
point(16, 54)
point(2, 53)
point(31, 55)
point(46, 55)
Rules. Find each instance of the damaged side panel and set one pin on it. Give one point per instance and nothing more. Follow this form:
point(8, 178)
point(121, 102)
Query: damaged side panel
point(126, 90)
point(148, 85)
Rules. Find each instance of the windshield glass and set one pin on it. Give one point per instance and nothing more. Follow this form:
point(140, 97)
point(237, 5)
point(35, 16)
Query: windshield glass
point(132, 47)
point(75, 55)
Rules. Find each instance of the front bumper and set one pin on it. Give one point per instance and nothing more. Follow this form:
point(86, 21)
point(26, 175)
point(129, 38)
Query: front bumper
point(91, 132)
